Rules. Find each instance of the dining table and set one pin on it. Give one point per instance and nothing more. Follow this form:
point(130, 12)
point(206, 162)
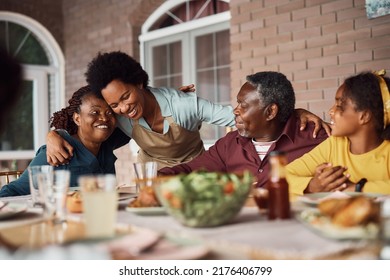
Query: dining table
point(249, 235)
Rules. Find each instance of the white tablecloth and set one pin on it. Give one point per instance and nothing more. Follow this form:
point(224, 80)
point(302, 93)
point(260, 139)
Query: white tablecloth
point(249, 235)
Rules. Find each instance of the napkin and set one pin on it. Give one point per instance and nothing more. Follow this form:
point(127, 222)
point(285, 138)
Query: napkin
point(131, 245)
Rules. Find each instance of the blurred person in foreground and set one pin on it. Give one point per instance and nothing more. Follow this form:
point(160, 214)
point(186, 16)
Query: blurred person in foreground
point(357, 155)
point(265, 122)
point(87, 123)
point(164, 122)
point(10, 82)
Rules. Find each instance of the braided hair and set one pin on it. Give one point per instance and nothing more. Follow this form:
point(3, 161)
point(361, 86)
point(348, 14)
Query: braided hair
point(64, 119)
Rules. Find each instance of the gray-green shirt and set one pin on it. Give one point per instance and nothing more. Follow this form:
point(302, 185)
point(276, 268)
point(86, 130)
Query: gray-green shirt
point(187, 109)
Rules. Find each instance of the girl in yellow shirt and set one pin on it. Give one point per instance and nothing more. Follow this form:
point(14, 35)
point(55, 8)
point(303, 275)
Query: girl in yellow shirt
point(357, 155)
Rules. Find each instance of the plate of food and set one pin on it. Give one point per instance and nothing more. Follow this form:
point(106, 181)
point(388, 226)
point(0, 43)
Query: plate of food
point(313, 199)
point(147, 211)
point(74, 202)
point(125, 195)
point(356, 217)
point(146, 203)
point(11, 210)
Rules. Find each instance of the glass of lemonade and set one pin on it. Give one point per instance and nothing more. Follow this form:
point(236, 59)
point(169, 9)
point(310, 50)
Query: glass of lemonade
point(100, 204)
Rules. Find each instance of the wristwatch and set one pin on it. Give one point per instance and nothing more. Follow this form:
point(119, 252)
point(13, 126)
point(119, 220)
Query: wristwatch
point(359, 185)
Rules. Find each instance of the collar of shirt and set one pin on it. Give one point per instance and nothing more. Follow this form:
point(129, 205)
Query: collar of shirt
point(288, 130)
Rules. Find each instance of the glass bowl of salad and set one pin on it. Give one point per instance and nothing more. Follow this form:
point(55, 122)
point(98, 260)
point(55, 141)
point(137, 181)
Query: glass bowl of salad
point(203, 199)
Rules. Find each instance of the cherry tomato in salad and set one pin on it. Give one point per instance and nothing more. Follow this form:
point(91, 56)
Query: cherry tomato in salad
point(228, 188)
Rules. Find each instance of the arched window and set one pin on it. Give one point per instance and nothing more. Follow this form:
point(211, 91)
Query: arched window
point(186, 42)
point(43, 85)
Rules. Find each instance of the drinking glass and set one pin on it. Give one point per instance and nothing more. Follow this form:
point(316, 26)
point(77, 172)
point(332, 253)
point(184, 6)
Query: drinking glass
point(54, 193)
point(33, 171)
point(145, 173)
point(100, 204)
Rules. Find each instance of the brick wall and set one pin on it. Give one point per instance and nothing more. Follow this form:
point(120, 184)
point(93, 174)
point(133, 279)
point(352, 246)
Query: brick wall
point(47, 12)
point(92, 26)
point(315, 43)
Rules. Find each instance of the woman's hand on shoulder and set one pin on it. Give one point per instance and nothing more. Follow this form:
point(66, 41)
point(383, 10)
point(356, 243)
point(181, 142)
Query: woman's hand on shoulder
point(306, 116)
point(58, 150)
point(188, 88)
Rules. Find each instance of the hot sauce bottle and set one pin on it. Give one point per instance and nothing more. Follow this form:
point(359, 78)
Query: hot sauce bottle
point(278, 195)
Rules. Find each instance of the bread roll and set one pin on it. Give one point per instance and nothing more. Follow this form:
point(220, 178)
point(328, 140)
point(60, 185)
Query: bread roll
point(352, 211)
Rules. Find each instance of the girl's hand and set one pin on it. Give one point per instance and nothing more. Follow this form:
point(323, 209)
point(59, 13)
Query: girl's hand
point(328, 178)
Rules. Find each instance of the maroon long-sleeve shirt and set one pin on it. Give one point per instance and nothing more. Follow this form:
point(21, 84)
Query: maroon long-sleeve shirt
point(234, 153)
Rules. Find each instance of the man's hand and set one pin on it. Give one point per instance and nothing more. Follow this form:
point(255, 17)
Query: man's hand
point(306, 116)
point(189, 88)
point(58, 151)
point(328, 178)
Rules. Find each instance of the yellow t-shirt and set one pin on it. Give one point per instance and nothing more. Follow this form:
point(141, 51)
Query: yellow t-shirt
point(374, 165)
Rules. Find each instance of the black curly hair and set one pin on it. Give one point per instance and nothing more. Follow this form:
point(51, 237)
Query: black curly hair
point(106, 67)
point(364, 91)
point(274, 87)
point(64, 119)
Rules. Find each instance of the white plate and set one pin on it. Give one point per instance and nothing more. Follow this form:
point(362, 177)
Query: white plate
point(121, 195)
point(12, 209)
point(147, 211)
point(313, 199)
point(124, 195)
point(323, 226)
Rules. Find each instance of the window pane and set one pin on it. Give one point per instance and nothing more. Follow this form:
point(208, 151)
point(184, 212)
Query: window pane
point(223, 84)
point(21, 43)
point(32, 52)
point(176, 81)
point(162, 82)
point(205, 85)
point(213, 75)
point(204, 51)
point(167, 65)
point(159, 61)
point(19, 135)
point(222, 46)
point(175, 58)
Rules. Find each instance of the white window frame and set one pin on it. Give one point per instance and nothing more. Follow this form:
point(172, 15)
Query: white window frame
point(220, 21)
point(208, 24)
